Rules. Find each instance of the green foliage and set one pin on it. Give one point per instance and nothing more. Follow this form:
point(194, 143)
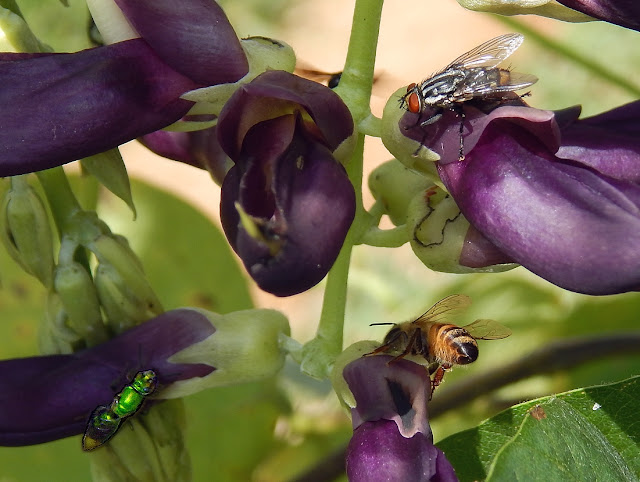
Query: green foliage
point(570, 436)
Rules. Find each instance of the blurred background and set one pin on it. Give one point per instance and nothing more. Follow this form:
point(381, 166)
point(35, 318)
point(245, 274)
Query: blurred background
point(231, 435)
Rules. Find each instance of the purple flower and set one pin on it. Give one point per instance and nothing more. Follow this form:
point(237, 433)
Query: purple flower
point(625, 13)
point(555, 194)
point(61, 107)
point(287, 203)
point(50, 397)
point(392, 439)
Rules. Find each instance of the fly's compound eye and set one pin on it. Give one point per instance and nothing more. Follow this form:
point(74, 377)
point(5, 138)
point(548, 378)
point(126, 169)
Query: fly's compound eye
point(413, 103)
point(410, 87)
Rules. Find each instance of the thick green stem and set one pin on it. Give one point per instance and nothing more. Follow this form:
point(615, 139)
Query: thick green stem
point(355, 89)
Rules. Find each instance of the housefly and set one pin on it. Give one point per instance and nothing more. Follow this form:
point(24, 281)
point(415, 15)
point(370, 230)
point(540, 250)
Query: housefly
point(473, 75)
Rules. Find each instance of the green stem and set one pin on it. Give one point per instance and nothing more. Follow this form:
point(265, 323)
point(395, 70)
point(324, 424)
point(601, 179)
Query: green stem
point(386, 238)
point(355, 89)
point(62, 201)
point(357, 77)
point(563, 50)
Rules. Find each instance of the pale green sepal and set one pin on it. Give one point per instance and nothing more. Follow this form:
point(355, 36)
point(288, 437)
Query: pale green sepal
point(542, 8)
point(338, 382)
point(409, 152)
point(318, 357)
point(109, 169)
point(75, 287)
point(26, 232)
point(262, 54)
point(394, 185)
point(148, 447)
point(437, 230)
point(15, 34)
point(192, 126)
point(111, 22)
point(245, 347)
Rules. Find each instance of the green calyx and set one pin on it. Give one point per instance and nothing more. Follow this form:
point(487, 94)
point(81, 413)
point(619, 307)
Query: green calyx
point(246, 346)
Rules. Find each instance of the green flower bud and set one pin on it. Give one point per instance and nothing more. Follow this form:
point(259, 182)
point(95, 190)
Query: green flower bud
point(26, 231)
point(134, 285)
point(394, 185)
point(122, 307)
point(438, 232)
point(75, 287)
point(409, 152)
point(15, 34)
point(54, 335)
point(245, 347)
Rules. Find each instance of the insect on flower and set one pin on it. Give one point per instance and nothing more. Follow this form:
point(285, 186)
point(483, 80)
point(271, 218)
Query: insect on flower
point(441, 344)
point(105, 420)
point(473, 75)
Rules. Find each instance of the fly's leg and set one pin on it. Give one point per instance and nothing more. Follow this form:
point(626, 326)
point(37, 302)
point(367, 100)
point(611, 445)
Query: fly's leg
point(458, 109)
point(427, 122)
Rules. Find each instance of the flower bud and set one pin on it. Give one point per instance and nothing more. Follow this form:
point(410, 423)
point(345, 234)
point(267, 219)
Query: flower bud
point(75, 287)
point(54, 335)
point(440, 235)
point(26, 232)
point(123, 309)
point(394, 185)
point(245, 347)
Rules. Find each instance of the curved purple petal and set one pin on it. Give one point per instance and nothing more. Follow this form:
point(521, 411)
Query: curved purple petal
point(301, 199)
point(378, 452)
point(391, 390)
point(198, 148)
point(278, 91)
point(61, 107)
point(625, 13)
point(568, 220)
point(195, 39)
point(50, 397)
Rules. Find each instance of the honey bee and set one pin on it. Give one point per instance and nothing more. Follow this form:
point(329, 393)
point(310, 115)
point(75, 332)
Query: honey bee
point(441, 344)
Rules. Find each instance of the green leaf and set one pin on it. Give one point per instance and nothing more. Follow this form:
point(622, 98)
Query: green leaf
point(187, 259)
point(570, 436)
point(108, 168)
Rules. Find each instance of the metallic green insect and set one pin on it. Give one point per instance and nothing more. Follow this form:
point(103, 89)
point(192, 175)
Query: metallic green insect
point(106, 419)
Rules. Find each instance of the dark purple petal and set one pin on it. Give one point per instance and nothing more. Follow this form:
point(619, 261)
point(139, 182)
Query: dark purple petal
point(61, 107)
point(625, 13)
point(378, 452)
point(194, 38)
point(301, 199)
point(562, 219)
point(479, 252)
point(391, 390)
point(278, 91)
point(50, 397)
point(198, 148)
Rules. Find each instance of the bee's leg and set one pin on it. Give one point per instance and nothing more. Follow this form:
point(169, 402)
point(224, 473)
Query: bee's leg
point(410, 346)
point(438, 376)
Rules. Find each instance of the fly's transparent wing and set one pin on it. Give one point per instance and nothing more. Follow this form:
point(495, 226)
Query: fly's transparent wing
point(485, 329)
point(450, 305)
point(494, 82)
point(490, 53)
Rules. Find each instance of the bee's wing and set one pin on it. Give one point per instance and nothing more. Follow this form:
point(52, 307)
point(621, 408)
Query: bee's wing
point(490, 53)
point(446, 306)
point(485, 329)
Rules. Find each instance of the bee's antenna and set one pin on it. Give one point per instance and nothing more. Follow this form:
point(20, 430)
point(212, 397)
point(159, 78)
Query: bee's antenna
point(387, 323)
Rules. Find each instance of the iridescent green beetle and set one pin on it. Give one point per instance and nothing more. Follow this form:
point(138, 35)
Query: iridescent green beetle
point(106, 419)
